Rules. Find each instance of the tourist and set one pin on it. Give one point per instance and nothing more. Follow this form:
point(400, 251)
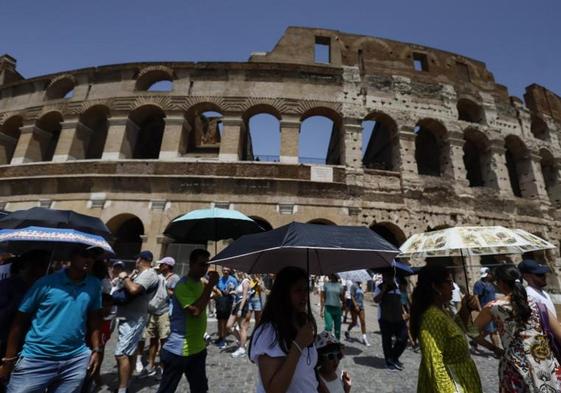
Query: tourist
point(282, 344)
point(330, 353)
point(486, 292)
point(456, 298)
point(528, 364)
point(357, 312)
point(534, 274)
point(238, 316)
point(348, 305)
point(390, 319)
point(184, 352)
point(158, 326)
point(406, 310)
point(132, 314)
point(226, 288)
point(52, 322)
point(446, 365)
point(331, 301)
point(255, 300)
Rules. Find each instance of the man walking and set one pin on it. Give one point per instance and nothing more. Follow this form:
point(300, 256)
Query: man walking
point(390, 319)
point(133, 314)
point(185, 350)
point(226, 288)
point(534, 274)
point(54, 317)
point(486, 292)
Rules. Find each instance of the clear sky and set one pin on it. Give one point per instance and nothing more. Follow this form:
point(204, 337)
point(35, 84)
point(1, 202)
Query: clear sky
point(520, 40)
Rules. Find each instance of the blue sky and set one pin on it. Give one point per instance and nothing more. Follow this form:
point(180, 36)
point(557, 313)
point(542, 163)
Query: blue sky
point(519, 40)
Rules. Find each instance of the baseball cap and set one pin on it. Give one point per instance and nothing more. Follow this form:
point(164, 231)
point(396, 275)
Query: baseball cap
point(324, 339)
point(484, 272)
point(146, 255)
point(167, 261)
point(533, 267)
point(118, 263)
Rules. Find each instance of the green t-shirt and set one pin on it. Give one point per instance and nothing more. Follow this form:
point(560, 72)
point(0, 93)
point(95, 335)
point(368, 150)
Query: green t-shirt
point(187, 331)
point(332, 294)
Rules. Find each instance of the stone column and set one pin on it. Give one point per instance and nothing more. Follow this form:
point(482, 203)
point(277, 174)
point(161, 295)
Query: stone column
point(531, 182)
point(28, 148)
point(352, 143)
point(498, 172)
point(408, 165)
point(171, 141)
point(7, 146)
point(73, 141)
point(290, 139)
point(455, 168)
point(232, 138)
point(121, 135)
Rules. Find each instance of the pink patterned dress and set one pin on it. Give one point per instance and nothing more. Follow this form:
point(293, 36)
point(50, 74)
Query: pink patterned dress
point(528, 365)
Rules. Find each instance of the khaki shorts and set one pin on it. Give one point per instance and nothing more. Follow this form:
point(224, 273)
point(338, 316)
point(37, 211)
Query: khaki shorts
point(157, 326)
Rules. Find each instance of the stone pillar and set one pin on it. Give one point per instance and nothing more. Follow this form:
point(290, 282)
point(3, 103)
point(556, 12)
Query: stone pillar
point(171, 141)
point(290, 139)
point(352, 143)
point(232, 138)
point(7, 146)
point(30, 143)
point(532, 180)
point(455, 167)
point(73, 141)
point(498, 172)
point(407, 163)
point(121, 135)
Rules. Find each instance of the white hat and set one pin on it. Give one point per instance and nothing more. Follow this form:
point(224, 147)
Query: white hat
point(484, 272)
point(167, 261)
point(324, 339)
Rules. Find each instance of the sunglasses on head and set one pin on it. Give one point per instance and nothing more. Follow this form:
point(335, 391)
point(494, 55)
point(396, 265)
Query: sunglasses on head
point(333, 355)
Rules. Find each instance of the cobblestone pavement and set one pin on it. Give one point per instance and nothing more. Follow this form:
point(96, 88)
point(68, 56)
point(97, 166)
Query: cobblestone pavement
point(366, 366)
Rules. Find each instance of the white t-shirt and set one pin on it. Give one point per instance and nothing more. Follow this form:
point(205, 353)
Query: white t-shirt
point(304, 378)
point(335, 386)
point(541, 297)
point(456, 294)
point(348, 284)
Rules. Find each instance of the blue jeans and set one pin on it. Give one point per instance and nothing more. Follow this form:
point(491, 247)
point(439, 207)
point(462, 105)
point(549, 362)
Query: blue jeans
point(55, 376)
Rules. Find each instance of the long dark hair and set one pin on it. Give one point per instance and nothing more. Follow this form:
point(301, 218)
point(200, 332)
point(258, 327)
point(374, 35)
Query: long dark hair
point(511, 277)
point(424, 294)
point(279, 312)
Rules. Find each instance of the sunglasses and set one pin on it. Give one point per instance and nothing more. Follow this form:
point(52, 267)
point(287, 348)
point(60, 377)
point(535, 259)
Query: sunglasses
point(333, 355)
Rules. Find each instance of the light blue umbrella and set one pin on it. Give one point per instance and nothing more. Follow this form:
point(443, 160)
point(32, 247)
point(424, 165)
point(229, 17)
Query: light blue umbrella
point(360, 275)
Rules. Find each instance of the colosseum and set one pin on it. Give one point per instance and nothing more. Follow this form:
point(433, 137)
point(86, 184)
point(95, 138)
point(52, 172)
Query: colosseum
point(448, 146)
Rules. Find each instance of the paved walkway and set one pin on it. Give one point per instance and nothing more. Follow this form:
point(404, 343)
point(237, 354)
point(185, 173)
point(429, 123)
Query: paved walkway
point(366, 366)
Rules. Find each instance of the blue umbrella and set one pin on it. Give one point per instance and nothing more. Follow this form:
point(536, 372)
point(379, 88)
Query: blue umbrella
point(200, 226)
point(23, 239)
point(401, 269)
point(319, 249)
point(360, 275)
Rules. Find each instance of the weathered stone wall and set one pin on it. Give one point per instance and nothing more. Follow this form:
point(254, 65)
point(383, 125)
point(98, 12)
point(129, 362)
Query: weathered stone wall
point(98, 141)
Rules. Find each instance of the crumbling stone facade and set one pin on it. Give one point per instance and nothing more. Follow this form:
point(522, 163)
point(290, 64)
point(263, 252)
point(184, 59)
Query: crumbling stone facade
point(449, 145)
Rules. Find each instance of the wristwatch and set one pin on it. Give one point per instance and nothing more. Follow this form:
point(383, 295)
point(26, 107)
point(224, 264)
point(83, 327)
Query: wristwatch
point(97, 350)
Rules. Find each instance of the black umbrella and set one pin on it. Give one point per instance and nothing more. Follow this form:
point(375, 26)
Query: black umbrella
point(399, 268)
point(52, 218)
point(319, 249)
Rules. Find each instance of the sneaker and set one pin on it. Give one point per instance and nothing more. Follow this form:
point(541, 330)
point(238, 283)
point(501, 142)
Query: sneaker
point(222, 345)
point(398, 364)
point(390, 366)
point(347, 335)
point(148, 372)
point(139, 366)
point(365, 341)
point(239, 353)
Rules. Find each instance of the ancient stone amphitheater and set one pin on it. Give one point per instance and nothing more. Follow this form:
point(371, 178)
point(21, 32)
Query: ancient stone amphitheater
point(448, 145)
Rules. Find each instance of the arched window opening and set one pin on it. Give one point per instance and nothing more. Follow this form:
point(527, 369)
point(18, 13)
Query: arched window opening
point(539, 128)
point(390, 232)
point(380, 143)
point(159, 80)
point(477, 159)
point(469, 111)
point(518, 165)
point(550, 173)
point(161, 86)
point(62, 88)
point(431, 154)
point(9, 135)
point(127, 230)
point(96, 124)
point(50, 125)
point(262, 223)
point(202, 133)
point(263, 137)
point(320, 139)
point(145, 130)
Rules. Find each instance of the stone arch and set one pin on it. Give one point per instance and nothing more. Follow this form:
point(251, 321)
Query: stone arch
point(128, 230)
point(10, 131)
point(321, 221)
point(145, 131)
point(381, 147)
point(550, 172)
point(518, 165)
point(150, 77)
point(46, 137)
point(202, 129)
point(262, 223)
point(539, 128)
point(61, 87)
point(262, 130)
point(315, 123)
point(95, 122)
point(477, 158)
point(432, 152)
point(390, 232)
point(470, 111)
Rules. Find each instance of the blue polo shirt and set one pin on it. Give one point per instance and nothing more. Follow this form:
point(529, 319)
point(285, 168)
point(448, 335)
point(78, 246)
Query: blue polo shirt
point(59, 310)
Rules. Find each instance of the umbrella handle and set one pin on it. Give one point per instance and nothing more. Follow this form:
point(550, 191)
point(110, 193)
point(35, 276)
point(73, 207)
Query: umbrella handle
point(465, 272)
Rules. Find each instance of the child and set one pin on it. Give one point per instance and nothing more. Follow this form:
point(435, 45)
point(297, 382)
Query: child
point(329, 355)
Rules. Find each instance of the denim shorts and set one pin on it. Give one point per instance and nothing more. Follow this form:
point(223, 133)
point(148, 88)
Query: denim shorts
point(130, 334)
point(255, 303)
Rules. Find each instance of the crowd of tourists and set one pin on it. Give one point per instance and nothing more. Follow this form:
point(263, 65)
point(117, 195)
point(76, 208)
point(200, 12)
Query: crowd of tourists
point(54, 327)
